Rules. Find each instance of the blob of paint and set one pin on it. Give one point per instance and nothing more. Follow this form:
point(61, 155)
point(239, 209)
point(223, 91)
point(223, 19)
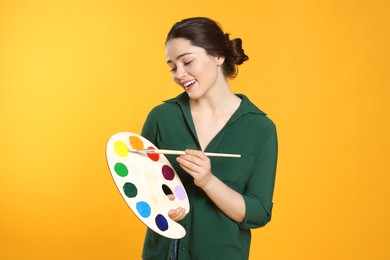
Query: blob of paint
point(168, 172)
point(168, 192)
point(180, 192)
point(143, 209)
point(121, 148)
point(161, 222)
point(130, 190)
point(136, 142)
point(153, 156)
point(121, 169)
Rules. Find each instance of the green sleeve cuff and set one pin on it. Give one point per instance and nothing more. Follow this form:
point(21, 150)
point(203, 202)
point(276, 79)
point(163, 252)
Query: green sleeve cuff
point(256, 214)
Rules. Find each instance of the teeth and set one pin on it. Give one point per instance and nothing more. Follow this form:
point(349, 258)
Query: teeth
point(189, 83)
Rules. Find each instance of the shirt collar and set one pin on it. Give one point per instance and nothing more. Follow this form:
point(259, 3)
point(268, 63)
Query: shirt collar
point(245, 107)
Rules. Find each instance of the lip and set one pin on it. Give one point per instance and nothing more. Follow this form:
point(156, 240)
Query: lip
point(190, 86)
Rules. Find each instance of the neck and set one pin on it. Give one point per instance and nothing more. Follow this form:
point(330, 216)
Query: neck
point(217, 100)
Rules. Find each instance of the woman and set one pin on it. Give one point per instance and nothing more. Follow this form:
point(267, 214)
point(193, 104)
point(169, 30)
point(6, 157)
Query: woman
point(228, 196)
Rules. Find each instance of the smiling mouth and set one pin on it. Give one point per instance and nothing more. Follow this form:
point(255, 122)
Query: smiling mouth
point(188, 84)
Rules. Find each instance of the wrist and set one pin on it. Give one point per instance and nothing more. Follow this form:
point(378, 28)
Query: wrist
point(209, 183)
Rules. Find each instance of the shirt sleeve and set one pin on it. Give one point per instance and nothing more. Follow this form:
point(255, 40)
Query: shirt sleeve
point(260, 187)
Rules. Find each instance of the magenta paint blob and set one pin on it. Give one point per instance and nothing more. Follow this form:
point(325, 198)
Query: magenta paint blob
point(168, 172)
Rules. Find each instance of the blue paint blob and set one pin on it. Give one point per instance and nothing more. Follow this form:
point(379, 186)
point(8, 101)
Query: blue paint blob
point(143, 209)
point(161, 222)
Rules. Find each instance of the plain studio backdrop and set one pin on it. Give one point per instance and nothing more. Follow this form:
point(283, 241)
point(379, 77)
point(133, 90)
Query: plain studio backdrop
point(73, 73)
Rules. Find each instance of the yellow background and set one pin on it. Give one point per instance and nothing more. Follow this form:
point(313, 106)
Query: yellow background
point(72, 73)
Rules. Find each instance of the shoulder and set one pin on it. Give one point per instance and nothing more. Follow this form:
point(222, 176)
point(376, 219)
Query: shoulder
point(170, 108)
point(162, 109)
point(254, 116)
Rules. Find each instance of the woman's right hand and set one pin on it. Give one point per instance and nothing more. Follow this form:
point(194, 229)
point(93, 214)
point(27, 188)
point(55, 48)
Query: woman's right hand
point(177, 214)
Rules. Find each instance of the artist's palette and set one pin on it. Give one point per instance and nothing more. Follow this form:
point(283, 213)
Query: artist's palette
point(144, 181)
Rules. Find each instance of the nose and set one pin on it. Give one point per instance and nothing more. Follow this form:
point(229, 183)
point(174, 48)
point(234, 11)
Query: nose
point(180, 72)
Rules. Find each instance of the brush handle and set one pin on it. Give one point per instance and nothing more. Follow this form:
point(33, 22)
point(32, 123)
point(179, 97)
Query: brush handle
point(175, 152)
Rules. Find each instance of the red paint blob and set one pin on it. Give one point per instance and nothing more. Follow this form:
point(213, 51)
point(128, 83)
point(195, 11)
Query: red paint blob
point(153, 156)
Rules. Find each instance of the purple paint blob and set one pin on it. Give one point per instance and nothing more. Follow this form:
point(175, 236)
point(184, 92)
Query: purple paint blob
point(168, 172)
point(161, 222)
point(180, 193)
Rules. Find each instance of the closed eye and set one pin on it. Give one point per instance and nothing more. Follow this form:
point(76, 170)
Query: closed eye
point(184, 63)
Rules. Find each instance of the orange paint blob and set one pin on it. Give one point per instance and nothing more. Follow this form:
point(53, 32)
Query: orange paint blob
point(136, 142)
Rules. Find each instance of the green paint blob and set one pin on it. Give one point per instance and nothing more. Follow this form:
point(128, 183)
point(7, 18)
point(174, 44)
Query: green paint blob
point(121, 169)
point(130, 190)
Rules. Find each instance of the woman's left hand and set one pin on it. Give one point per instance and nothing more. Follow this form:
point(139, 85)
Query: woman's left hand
point(198, 165)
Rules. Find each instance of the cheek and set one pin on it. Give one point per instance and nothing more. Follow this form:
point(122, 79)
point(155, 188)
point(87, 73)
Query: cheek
point(196, 69)
point(207, 66)
point(176, 80)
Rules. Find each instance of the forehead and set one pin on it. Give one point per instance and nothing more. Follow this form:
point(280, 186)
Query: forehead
point(180, 47)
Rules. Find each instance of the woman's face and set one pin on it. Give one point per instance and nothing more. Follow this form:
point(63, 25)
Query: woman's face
point(192, 68)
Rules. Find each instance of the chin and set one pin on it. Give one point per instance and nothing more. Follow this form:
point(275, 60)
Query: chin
point(194, 96)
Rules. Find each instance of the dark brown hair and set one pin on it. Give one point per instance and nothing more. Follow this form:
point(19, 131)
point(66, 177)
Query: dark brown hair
point(207, 34)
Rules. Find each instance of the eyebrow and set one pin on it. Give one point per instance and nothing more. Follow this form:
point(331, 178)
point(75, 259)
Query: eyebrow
point(178, 57)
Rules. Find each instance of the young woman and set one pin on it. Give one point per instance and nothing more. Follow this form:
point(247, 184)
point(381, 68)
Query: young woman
point(228, 196)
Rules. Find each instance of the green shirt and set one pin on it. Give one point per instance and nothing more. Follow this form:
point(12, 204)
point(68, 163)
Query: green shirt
point(210, 234)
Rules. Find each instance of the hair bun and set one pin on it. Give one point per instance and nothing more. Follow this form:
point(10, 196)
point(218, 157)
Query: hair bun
point(237, 51)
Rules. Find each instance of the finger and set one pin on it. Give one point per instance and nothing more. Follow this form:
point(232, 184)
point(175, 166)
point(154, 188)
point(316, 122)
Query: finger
point(171, 196)
point(196, 153)
point(180, 215)
point(187, 169)
point(176, 214)
point(187, 159)
point(190, 168)
point(172, 213)
point(187, 162)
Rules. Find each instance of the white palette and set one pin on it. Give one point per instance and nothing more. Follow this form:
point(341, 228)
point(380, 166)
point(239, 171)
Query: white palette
point(144, 180)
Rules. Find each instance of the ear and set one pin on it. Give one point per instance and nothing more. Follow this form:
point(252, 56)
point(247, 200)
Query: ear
point(219, 60)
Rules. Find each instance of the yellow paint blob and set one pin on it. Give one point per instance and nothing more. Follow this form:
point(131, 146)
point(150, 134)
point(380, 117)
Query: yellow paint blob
point(121, 148)
point(136, 143)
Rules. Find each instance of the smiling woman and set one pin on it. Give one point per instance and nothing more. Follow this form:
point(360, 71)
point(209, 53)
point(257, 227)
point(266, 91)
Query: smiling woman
point(191, 66)
point(228, 196)
point(206, 34)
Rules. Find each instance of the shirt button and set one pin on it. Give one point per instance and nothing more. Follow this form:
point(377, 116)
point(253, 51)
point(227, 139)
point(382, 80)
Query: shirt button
point(183, 248)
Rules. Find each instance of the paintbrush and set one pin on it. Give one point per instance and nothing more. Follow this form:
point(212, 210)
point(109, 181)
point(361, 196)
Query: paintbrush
point(175, 152)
